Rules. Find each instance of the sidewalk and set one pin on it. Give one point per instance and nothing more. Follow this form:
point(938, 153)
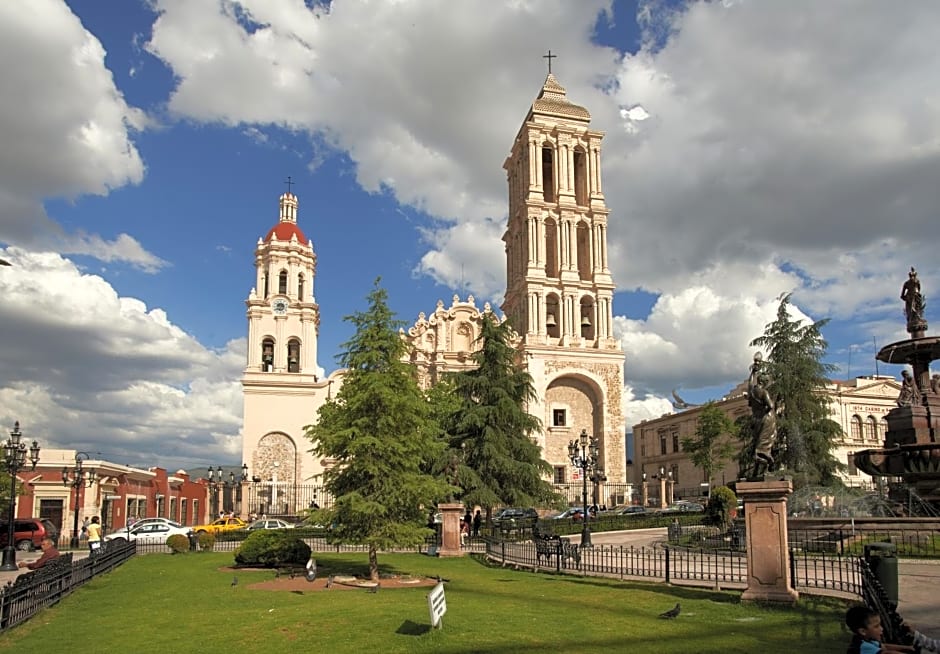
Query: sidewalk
point(919, 602)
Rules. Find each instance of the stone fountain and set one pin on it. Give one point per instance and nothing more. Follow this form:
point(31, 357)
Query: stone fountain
point(912, 443)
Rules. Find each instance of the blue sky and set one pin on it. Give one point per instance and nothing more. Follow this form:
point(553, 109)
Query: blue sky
point(752, 149)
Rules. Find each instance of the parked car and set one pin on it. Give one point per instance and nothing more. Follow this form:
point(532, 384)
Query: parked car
point(629, 510)
point(573, 513)
point(270, 523)
point(514, 517)
point(221, 525)
point(151, 533)
point(149, 521)
point(684, 507)
point(28, 533)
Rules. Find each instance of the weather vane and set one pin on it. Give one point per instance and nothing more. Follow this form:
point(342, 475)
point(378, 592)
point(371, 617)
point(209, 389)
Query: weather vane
point(549, 56)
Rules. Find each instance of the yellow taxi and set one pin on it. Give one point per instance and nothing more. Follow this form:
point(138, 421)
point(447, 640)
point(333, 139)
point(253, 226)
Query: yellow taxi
point(220, 525)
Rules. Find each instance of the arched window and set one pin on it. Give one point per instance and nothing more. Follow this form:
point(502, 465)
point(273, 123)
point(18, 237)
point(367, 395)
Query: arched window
point(267, 355)
point(282, 283)
point(584, 251)
point(871, 428)
point(264, 285)
point(300, 287)
point(293, 355)
point(856, 428)
point(548, 173)
point(551, 248)
point(552, 316)
point(580, 177)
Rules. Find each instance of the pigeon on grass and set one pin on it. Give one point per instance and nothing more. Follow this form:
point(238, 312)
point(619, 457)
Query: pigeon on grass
point(671, 613)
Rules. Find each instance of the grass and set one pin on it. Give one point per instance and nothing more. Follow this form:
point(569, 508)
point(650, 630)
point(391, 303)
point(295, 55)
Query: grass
point(163, 603)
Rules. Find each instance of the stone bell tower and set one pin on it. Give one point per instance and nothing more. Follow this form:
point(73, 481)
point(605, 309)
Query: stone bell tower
point(282, 383)
point(559, 288)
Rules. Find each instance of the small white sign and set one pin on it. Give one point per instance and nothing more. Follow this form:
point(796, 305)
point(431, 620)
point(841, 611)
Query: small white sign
point(437, 605)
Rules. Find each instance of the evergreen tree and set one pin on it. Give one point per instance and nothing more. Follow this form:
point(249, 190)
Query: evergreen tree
point(711, 445)
point(805, 434)
point(490, 434)
point(380, 432)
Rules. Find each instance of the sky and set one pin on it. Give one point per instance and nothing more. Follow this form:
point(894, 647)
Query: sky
point(752, 149)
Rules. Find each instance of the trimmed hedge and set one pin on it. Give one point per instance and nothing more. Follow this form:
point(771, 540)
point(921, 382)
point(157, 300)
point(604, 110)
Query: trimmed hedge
point(178, 543)
point(271, 548)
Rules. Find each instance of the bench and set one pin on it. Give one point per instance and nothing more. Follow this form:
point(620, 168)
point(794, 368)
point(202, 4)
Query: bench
point(549, 546)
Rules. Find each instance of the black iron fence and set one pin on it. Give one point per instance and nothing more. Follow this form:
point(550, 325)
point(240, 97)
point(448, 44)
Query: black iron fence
point(283, 500)
point(29, 593)
point(909, 542)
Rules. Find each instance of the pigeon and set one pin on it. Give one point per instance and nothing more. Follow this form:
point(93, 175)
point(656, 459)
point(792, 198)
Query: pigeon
point(234, 581)
point(329, 582)
point(671, 613)
point(439, 579)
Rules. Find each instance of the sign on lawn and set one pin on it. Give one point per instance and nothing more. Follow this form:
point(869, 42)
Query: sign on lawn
point(437, 605)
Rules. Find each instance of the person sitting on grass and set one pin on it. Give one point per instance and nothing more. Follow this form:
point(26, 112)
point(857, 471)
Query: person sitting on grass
point(866, 629)
point(49, 552)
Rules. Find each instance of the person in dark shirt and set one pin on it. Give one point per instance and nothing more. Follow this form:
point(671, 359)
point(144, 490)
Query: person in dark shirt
point(49, 552)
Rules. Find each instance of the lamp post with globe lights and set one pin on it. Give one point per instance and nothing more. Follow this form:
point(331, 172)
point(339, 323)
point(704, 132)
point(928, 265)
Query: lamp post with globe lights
point(584, 453)
point(80, 478)
point(14, 455)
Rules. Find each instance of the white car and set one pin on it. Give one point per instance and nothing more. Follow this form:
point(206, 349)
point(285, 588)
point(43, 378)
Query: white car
point(149, 533)
point(270, 523)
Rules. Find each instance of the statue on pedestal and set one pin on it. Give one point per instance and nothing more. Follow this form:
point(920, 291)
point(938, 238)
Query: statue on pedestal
point(763, 419)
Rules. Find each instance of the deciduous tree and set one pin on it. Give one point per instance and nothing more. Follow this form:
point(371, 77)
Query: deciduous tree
point(713, 442)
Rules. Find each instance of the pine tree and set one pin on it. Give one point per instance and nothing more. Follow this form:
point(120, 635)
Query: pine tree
point(805, 434)
point(711, 445)
point(499, 464)
point(380, 432)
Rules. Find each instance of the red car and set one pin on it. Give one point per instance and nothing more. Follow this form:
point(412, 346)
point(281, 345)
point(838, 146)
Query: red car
point(28, 533)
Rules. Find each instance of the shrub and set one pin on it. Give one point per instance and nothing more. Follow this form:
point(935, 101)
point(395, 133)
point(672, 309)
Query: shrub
point(206, 540)
point(178, 543)
point(721, 507)
point(271, 548)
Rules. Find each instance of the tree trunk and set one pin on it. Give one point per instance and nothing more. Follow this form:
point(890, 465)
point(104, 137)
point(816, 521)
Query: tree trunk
point(373, 563)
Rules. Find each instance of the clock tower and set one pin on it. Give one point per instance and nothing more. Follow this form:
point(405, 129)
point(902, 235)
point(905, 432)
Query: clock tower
point(283, 388)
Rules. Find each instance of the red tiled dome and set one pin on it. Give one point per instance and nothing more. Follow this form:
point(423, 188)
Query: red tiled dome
point(284, 232)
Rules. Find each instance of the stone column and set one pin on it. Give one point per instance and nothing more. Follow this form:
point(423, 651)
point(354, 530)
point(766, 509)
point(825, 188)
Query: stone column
point(765, 514)
point(645, 493)
point(451, 512)
point(662, 492)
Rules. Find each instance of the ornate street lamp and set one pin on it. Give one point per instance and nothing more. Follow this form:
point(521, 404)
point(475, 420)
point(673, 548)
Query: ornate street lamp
point(584, 453)
point(217, 482)
point(14, 455)
point(80, 478)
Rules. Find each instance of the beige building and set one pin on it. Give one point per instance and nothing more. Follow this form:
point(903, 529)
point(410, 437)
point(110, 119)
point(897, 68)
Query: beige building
point(857, 405)
point(558, 298)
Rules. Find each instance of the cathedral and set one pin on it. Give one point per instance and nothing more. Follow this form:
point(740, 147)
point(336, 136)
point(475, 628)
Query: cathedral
point(558, 298)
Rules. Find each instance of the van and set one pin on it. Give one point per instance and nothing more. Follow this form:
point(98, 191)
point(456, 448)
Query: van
point(28, 533)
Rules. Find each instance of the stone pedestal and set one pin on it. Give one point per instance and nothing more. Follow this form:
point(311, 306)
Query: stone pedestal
point(645, 494)
point(765, 514)
point(451, 512)
point(662, 493)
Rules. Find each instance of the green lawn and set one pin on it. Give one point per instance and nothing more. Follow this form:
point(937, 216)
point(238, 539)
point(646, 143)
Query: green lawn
point(163, 603)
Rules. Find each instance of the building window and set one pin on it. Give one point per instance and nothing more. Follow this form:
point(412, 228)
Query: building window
point(856, 428)
point(172, 508)
point(560, 475)
point(196, 516)
point(183, 510)
point(675, 474)
point(851, 463)
point(675, 441)
point(264, 286)
point(580, 177)
point(583, 240)
point(871, 428)
point(282, 283)
point(300, 287)
point(662, 443)
point(551, 249)
point(558, 418)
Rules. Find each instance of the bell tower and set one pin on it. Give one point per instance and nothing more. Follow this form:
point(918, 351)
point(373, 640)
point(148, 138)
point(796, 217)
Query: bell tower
point(559, 289)
point(282, 383)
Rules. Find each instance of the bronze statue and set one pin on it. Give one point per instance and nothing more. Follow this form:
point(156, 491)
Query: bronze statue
point(763, 417)
point(908, 395)
point(913, 301)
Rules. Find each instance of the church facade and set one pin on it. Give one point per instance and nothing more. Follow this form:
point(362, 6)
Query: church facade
point(558, 299)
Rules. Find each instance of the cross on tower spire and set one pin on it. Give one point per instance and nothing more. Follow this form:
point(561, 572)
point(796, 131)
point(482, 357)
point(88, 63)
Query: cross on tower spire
point(549, 56)
point(289, 183)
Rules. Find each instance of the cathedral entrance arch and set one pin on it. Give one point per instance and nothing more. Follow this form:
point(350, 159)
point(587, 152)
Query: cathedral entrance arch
point(274, 481)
